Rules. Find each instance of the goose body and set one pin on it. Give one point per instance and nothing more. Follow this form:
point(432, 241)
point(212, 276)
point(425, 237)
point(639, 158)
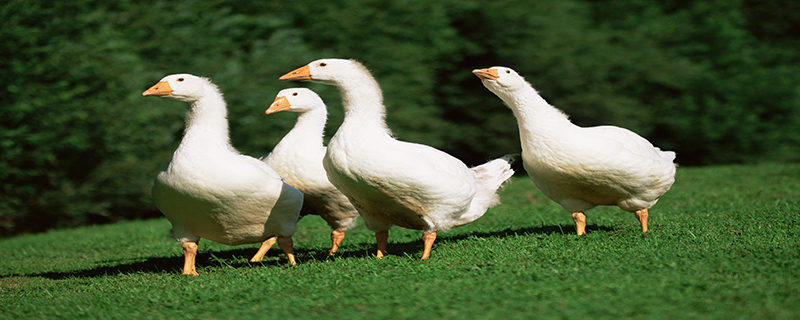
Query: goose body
point(209, 190)
point(391, 182)
point(580, 168)
point(298, 159)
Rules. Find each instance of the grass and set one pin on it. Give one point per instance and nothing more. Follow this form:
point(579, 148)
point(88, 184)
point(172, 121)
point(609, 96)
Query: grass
point(723, 244)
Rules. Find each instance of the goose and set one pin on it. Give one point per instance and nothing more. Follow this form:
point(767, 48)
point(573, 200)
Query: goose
point(580, 168)
point(211, 191)
point(391, 182)
point(298, 159)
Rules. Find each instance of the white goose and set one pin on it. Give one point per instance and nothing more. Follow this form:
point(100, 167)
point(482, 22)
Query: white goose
point(580, 168)
point(211, 191)
point(298, 159)
point(391, 182)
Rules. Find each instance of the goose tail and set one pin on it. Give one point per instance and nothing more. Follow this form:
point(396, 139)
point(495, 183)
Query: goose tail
point(490, 177)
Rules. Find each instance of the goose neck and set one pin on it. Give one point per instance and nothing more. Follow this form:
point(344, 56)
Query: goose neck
point(363, 103)
point(309, 126)
point(537, 120)
point(207, 121)
point(529, 107)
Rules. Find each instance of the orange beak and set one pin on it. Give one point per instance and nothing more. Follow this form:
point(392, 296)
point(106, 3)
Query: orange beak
point(302, 73)
point(486, 74)
point(159, 90)
point(279, 104)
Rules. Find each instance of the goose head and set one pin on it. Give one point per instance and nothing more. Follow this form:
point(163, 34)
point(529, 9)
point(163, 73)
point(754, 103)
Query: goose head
point(502, 81)
point(296, 100)
point(327, 71)
point(183, 86)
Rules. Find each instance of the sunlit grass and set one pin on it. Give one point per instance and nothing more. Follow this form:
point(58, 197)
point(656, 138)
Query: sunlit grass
point(723, 244)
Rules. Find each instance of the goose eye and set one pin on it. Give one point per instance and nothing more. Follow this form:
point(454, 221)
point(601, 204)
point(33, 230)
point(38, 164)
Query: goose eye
point(180, 79)
point(322, 64)
point(294, 94)
point(508, 71)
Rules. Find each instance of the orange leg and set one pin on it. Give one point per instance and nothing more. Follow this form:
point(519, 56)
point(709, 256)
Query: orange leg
point(428, 238)
point(336, 237)
point(287, 245)
point(189, 254)
point(382, 237)
point(580, 222)
point(263, 249)
point(642, 216)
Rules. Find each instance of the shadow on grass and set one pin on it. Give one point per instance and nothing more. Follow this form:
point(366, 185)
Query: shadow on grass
point(415, 248)
point(238, 258)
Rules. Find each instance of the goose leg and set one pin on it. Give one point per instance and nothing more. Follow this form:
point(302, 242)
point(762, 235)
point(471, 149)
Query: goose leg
point(382, 237)
point(189, 254)
point(580, 222)
point(428, 238)
point(263, 249)
point(336, 237)
point(642, 216)
point(287, 245)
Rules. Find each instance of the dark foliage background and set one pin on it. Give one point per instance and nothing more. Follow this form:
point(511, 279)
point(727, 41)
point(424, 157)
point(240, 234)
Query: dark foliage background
point(716, 81)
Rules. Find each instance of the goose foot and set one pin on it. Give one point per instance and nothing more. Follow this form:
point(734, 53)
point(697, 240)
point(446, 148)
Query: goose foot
point(580, 222)
point(189, 254)
point(642, 216)
point(336, 237)
point(428, 238)
point(263, 249)
point(287, 245)
point(382, 237)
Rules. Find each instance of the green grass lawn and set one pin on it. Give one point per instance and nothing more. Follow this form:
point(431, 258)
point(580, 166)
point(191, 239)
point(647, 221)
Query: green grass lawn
point(723, 244)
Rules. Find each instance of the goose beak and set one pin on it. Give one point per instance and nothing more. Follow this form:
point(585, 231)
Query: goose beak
point(486, 74)
point(302, 73)
point(159, 90)
point(279, 104)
